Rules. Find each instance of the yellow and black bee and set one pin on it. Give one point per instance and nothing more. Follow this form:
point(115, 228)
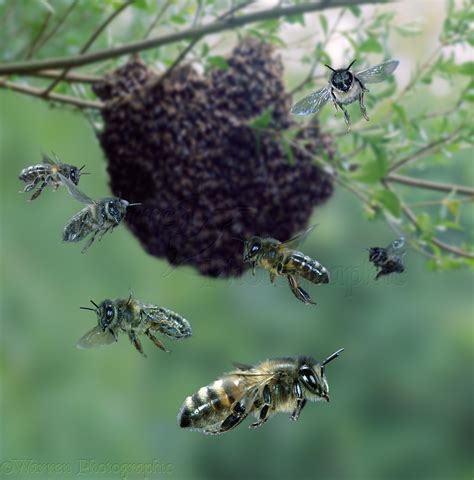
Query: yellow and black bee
point(48, 173)
point(280, 259)
point(272, 386)
point(135, 319)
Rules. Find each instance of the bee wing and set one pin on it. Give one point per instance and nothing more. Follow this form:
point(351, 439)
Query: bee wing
point(95, 338)
point(397, 248)
point(167, 322)
point(299, 238)
point(312, 103)
point(378, 73)
point(75, 192)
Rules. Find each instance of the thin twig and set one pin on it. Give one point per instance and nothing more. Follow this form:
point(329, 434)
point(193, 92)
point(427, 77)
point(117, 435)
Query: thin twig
point(190, 33)
point(37, 38)
point(427, 150)
point(71, 77)
point(443, 201)
point(56, 97)
point(89, 42)
point(156, 20)
point(440, 187)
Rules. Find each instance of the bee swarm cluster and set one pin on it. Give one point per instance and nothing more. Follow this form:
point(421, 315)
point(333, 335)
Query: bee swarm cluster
point(184, 147)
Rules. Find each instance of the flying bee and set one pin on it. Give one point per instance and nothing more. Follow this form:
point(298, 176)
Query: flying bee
point(388, 259)
point(135, 319)
point(280, 259)
point(97, 218)
point(345, 87)
point(272, 386)
point(48, 173)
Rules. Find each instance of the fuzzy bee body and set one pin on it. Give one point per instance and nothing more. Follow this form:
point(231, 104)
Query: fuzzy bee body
point(280, 259)
point(48, 173)
point(270, 387)
point(135, 319)
point(389, 259)
point(345, 87)
point(95, 219)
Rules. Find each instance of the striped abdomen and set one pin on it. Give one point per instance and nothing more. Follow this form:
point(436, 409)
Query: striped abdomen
point(211, 405)
point(299, 264)
point(30, 173)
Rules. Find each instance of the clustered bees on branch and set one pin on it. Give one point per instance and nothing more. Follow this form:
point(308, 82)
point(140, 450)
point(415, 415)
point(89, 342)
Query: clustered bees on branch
point(198, 157)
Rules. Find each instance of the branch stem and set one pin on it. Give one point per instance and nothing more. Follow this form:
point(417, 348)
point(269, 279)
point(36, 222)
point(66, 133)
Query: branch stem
point(440, 187)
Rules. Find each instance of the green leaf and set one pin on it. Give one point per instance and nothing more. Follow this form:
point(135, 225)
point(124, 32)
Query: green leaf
point(389, 200)
point(263, 120)
point(179, 19)
point(297, 18)
point(374, 170)
point(288, 150)
point(372, 45)
point(218, 62)
point(47, 6)
point(355, 10)
point(324, 23)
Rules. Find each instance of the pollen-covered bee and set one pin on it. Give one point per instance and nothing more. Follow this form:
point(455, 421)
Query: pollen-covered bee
point(345, 87)
point(280, 259)
point(388, 259)
point(135, 319)
point(272, 386)
point(48, 173)
point(96, 219)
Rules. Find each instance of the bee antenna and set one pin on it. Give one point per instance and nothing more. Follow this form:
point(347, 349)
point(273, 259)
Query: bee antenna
point(95, 304)
point(88, 308)
point(352, 63)
point(330, 68)
point(134, 204)
point(239, 239)
point(332, 357)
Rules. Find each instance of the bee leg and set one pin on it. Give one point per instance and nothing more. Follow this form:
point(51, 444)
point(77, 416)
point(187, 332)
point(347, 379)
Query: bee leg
point(40, 189)
point(267, 401)
point(254, 264)
point(298, 292)
point(156, 341)
point(237, 416)
point(272, 277)
point(103, 232)
point(136, 342)
point(300, 401)
point(363, 110)
point(334, 99)
point(30, 186)
point(89, 243)
point(347, 118)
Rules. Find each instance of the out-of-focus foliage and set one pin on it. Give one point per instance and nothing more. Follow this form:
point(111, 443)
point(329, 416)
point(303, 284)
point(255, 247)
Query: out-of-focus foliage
point(401, 394)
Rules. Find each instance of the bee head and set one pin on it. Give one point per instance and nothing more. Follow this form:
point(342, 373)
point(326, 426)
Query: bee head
point(115, 209)
point(342, 79)
point(252, 248)
point(106, 313)
point(313, 378)
point(377, 254)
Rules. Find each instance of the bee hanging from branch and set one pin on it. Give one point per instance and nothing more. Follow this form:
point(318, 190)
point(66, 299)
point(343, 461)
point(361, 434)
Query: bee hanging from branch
point(345, 87)
point(270, 387)
point(133, 318)
point(281, 259)
point(96, 219)
point(49, 172)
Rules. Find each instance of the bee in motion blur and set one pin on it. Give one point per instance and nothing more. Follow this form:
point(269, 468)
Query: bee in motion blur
point(96, 219)
point(388, 259)
point(135, 319)
point(344, 88)
point(48, 173)
point(272, 386)
point(280, 259)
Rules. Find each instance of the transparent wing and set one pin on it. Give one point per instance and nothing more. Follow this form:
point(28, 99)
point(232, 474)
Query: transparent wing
point(75, 192)
point(397, 248)
point(299, 238)
point(378, 73)
point(95, 338)
point(312, 103)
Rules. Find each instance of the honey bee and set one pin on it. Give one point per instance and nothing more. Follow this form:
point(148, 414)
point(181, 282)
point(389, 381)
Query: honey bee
point(280, 259)
point(135, 319)
point(388, 259)
point(345, 87)
point(48, 173)
point(97, 218)
point(272, 386)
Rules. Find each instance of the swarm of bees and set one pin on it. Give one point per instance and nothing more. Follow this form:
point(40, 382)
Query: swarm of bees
point(133, 318)
point(271, 386)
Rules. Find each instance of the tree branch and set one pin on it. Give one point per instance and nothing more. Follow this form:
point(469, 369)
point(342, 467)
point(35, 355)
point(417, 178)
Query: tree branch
point(55, 97)
point(69, 77)
point(440, 187)
point(37, 38)
point(190, 33)
point(158, 17)
point(89, 43)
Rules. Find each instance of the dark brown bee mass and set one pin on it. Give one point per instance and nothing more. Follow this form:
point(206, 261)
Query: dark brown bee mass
point(184, 148)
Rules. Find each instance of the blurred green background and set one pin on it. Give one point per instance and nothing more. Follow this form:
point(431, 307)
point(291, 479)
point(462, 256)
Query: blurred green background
point(401, 393)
